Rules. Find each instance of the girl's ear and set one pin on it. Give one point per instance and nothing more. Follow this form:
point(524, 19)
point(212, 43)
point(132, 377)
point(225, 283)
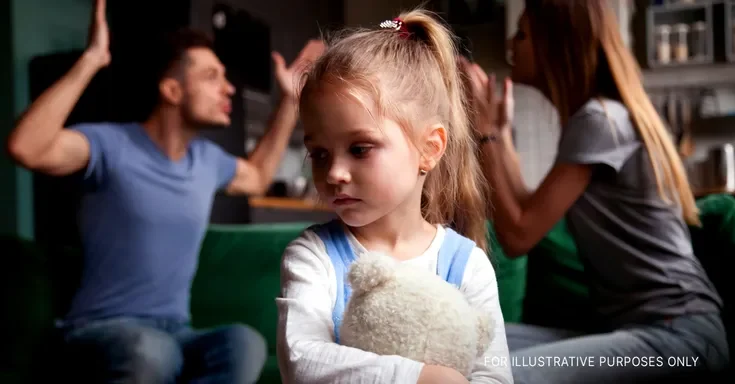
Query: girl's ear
point(435, 143)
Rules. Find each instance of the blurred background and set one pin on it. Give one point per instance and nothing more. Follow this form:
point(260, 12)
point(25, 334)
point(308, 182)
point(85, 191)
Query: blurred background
point(686, 49)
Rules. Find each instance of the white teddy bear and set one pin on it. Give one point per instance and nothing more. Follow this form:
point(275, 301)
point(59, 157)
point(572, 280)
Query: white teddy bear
point(396, 309)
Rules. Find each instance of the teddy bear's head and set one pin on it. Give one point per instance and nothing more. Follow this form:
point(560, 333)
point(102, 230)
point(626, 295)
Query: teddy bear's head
point(399, 309)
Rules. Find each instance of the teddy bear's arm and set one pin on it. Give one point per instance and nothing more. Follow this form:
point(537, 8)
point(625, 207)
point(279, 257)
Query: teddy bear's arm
point(307, 352)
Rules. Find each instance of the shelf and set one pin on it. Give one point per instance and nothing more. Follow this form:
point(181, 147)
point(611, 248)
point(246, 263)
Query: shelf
point(716, 67)
point(671, 16)
point(690, 76)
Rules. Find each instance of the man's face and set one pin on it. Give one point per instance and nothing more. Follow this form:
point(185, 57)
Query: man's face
point(207, 93)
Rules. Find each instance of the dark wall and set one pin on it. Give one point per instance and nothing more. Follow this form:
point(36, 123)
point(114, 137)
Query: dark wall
point(8, 190)
point(36, 27)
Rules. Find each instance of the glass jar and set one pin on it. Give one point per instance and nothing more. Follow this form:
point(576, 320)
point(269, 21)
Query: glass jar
point(699, 41)
point(663, 44)
point(680, 43)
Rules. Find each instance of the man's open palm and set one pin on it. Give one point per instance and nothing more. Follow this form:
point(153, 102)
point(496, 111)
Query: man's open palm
point(99, 34)
point(289, 78)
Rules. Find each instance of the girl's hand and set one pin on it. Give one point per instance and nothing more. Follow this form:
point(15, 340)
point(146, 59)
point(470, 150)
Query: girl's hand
point(490, 114)
point(436, 374)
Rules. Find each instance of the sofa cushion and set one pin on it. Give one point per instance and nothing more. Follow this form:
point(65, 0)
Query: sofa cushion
point(714, 243)
point(36, 286)
point(238, 280)
point(511, 277)
point(557, 293)
point(270, 374)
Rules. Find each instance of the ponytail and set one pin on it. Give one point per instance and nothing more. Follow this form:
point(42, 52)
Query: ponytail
point(453, 192)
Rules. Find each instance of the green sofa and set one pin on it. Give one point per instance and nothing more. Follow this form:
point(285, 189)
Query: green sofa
point(238, 280)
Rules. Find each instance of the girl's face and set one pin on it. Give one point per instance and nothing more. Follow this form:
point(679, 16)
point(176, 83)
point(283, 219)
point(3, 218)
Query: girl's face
point(364, 167)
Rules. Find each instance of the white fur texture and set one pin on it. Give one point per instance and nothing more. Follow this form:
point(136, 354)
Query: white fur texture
point(399, 310)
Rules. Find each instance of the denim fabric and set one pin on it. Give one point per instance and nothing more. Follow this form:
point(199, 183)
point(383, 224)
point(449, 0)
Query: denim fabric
point(132, 350)
point(683, 348)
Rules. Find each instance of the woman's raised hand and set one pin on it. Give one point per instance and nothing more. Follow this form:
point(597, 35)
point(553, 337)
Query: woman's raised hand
point(490, 113)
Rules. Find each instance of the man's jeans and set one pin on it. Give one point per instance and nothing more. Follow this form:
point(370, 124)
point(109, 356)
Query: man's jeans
point(131, 350)
point(670, 351)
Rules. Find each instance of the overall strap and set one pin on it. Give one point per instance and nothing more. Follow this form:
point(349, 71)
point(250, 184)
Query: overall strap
point(341, 255)
point(453, 256)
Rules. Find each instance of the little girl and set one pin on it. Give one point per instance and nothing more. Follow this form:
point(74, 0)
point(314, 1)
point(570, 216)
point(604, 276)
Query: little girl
point(392, 153)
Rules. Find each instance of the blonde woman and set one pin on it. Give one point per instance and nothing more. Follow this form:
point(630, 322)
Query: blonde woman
point(621, 186)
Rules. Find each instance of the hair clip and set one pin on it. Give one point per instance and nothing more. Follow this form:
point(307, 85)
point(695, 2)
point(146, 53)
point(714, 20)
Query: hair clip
point(396, 24)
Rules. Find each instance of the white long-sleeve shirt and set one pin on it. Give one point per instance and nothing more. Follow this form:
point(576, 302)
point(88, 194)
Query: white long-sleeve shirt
point(307, 352)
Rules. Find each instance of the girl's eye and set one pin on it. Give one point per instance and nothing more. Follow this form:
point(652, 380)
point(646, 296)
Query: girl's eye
point(360, 150)
point(318, 154)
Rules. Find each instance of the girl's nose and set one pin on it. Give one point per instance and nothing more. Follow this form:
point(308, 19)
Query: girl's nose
point(338, 174)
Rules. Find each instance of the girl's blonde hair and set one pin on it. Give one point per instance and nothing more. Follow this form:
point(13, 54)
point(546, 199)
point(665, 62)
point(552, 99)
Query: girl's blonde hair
point(588, 58)
point(412, 76)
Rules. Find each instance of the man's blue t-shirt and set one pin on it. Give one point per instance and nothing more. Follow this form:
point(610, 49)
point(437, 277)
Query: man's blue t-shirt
point(142, 221)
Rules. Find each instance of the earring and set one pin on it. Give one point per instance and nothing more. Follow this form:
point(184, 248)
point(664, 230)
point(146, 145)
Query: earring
point(422, 172)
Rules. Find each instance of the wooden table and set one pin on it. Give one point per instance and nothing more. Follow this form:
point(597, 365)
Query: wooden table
point(288, 203)
point(702, 192)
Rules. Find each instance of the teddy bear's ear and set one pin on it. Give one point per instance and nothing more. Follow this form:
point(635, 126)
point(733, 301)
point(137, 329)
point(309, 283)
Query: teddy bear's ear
point(484, 328)
point(370, 271)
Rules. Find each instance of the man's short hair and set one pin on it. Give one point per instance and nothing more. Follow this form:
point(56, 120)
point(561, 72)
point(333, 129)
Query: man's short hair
point(172, 50)
point(167, 56)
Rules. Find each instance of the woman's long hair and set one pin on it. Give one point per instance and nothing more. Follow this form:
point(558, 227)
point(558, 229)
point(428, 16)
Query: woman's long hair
point(580, 55)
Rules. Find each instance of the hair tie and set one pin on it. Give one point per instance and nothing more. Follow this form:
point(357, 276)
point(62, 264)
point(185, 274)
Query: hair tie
point(398, 25)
